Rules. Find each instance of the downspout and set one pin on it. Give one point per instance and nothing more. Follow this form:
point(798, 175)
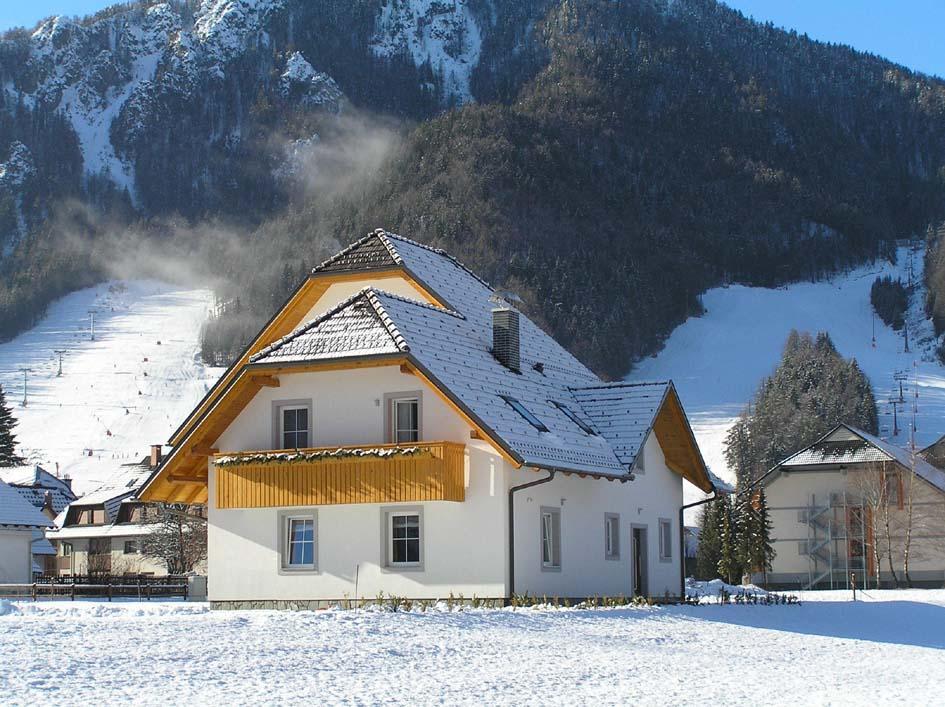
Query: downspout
point(512, 490)
point(682, 540)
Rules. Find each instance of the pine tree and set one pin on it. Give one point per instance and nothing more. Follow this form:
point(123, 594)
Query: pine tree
point(708, 554)
point(8, 455)
point(762, 550)
point(728, 560)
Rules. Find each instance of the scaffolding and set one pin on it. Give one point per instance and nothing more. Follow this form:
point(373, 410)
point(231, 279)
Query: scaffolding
point(837, 542)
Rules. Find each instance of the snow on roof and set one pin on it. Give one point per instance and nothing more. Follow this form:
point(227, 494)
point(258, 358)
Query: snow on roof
point(864, 450)
point(17, 511)
point(33, 482)
point(110, 498)
point(110, 530)
point(42, 546)
point(358, 326)
point(624, 413)
point(455, 351)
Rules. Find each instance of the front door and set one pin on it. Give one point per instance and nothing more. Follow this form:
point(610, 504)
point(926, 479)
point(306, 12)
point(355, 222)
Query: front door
point(639, 561)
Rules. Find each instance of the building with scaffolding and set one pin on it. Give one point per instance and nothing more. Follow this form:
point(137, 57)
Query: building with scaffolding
point(849, 509)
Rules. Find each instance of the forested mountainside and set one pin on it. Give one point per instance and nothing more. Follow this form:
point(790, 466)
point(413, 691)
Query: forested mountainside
point(607, 161)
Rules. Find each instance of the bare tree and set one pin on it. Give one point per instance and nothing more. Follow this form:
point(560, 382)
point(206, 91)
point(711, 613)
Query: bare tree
point(873, 486)
point(179, 538)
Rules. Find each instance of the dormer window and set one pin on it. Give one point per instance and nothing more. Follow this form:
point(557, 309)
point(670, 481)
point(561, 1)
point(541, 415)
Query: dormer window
point(570, 414)
point(523, 411)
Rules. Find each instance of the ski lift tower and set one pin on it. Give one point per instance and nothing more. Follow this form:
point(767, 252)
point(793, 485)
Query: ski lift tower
point(59, 353)
point(25, 372)
point(91, 325)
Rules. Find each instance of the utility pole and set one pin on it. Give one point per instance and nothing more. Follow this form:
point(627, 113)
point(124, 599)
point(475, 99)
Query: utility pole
point(874, 329)
point(905, 332)
point(25, 371)
point(59, 353)
point(92, 326)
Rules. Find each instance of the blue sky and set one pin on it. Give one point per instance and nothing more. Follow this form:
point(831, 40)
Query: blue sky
point(907, 31)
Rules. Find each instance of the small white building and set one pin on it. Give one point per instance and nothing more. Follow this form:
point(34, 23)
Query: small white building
point(48, 493)
point(19, 522)
point(398, 428)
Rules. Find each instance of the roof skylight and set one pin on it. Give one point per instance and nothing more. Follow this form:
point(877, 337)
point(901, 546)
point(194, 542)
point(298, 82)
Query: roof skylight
point(573, 417)
point(523, 411)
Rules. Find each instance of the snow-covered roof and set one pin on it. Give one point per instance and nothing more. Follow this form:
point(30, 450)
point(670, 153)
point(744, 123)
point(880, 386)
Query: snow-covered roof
point(17, 511)
point(33, 482)
point(117, 530)
point(623, 413)
point(456, 352)
point(854, 446)
point(42, 546)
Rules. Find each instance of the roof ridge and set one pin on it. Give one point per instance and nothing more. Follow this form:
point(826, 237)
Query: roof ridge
point(438, 251)
point(385, 240)
point(399, 341)
point(343, 252)
point(416, 302)
point(621, 384)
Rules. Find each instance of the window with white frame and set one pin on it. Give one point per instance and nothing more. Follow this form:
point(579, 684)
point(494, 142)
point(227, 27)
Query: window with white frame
point(404, 541)
point(550, 538)
point(299, 543)
point(67, 549)
point(666, 539)
point(611, 536)
point(294, 426)
point(405, 418)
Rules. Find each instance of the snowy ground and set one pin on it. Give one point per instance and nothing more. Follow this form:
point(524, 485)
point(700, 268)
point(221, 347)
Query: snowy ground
point(125, 390)
point(829, 650)
point(718, 360)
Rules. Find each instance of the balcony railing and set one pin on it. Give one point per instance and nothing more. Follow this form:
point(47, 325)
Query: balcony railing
point(386, 473)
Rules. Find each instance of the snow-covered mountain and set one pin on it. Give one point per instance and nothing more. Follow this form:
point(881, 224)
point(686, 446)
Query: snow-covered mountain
point(719, 359)
point(118, 393)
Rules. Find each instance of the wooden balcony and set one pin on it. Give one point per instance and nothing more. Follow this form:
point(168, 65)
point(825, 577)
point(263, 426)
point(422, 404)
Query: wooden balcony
point(385, 473)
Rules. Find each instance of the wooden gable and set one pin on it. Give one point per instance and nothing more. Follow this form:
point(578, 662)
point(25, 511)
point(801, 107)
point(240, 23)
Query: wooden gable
point(678, 443)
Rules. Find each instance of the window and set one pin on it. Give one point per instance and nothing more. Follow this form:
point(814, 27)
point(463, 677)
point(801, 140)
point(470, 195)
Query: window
point(521, 410)
point(611, 536)
point(802, 547)
point(666, 540)
point(131, 547)
point(550, 539)
point(402, 417)
point(299, 547)
point(67, 549)
point(569, 413)
point(294, 427)
point(403, 538)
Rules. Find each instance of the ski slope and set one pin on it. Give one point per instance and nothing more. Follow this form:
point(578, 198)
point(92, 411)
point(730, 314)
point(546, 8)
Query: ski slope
point(121, 392)
point(719, 359)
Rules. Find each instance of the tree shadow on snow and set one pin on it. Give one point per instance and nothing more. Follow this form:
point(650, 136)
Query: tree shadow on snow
point(908, 623)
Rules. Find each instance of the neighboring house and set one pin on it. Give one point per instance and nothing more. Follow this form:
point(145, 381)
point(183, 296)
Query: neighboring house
point(398, 428)
point(101, 533)
point(934, 454)
point(830, 503)
point(19, 521)
point(48, 493)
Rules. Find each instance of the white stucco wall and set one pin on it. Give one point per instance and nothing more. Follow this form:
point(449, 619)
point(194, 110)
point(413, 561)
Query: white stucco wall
point(120, 562)
point(583, 503)
point(16, 556)
point(464, 544)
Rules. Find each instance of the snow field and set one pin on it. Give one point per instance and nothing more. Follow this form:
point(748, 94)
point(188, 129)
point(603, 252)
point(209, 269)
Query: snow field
point(719, 359)
point(129, 388)
point(829, 651)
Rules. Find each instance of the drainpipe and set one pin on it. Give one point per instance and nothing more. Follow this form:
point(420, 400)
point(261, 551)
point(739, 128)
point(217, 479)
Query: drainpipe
point(682, 540)
point(512, 490)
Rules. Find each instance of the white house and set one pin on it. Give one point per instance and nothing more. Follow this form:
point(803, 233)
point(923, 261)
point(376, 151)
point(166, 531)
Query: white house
point(19, 521)
point(398, 428)
point(842, 507)
point(100, 533)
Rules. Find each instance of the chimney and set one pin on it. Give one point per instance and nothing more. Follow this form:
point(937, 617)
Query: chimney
point(505, 339)
point(156, 456)
point(67, 480)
